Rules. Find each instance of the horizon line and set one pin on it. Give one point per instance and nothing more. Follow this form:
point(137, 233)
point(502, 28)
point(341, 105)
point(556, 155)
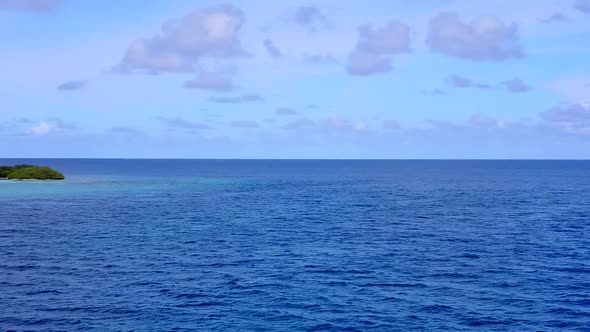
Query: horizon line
point(308, 159)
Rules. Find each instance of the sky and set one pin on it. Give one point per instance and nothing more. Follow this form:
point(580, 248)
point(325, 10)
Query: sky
point(373, 79)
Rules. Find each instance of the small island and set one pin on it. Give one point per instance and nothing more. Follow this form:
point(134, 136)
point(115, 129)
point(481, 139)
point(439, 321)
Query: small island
point(29, 172)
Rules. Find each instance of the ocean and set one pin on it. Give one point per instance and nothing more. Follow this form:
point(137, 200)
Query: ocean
point(297, 245)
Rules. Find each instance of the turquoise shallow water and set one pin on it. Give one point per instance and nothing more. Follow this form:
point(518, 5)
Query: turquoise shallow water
point(297, 245)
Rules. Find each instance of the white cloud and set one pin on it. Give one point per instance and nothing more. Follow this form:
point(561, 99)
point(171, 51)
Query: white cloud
point(181, 123)
point(237, 99)
point(572, 118)
point(310, 17)
point(365, 64)
point(484, 39)
point(210, 32)
point(285, 111)
point(207, 80)
point(483, 120)
point(320, 59)
point(554, 18)
point(461, 82)
point(52, 125)
point(391, 125)
point(393, 38)
point(375, 46)
point(516, 85)
point(41, 129)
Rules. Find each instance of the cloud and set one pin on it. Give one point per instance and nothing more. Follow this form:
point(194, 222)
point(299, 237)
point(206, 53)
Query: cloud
point(245, 124)
point(319, 59)
point(299, 124)
point(39, 6)
point(394, 38)
point(71, 85)
point(124, 130)
point(461, 82)
point(237, 99)
point(375, 46)
point(211, 32)
point(364, 64)
point(207, 80)
point(285, 111)
point(272, 49)
point(50, 126)
point(571, 118)
point(41, 129)
point(338, 124)
point(583, 6)
point(434, 92)
point(484, 39)
point(310, 17)
point(333, 125)
point(483, 120)
point(180, 123)
point(516, 86)
point(553, 18)
point(391, 125)
point(24, 120)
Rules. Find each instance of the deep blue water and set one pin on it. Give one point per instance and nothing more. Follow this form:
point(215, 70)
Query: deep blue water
point(218, 245)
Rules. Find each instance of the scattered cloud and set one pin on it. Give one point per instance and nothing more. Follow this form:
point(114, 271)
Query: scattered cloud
point(338, 124)
point(272, 49)
point(124, 130)
point(516, 85)
point(211, 32)
point(39, 6)
point(461, 82)
point(434, 92)
point(571, 118)
point(71, 86)
point(208, 80)
point(52, 125)
point(299, 124)
point(394, 38)
point(484, 39)
point(554, 18)
point(237, 99)
point(483, 120)
point(41, 129)
point(181, 123)
point(245, 124)
point(328, 126)
point(285, 111)
point(583, 6)
point(375, 46)
point(391, 125)
point(363, 64)
point(24, 120)
point(320, 59)
point(310, 17)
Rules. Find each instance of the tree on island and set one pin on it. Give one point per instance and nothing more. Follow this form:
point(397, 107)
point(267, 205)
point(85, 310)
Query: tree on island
point(29, 172)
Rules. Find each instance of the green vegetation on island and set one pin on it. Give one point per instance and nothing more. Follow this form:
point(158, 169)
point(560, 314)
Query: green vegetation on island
point(29, 172)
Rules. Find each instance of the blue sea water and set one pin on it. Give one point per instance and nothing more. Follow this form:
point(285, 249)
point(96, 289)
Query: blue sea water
point(255, 245)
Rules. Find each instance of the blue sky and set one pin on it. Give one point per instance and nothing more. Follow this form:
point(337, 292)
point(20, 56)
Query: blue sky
point(295, 79)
